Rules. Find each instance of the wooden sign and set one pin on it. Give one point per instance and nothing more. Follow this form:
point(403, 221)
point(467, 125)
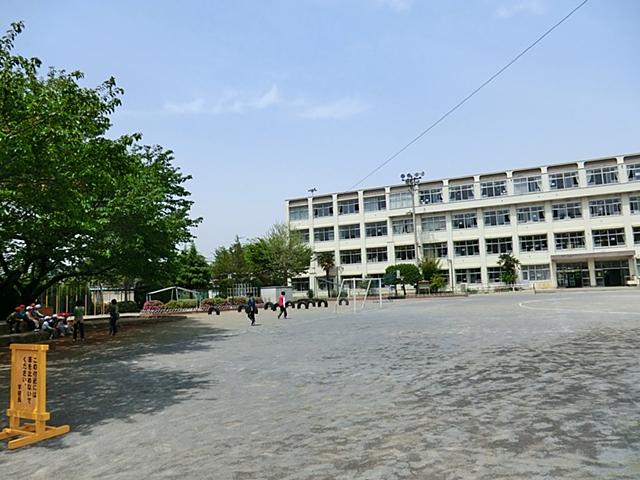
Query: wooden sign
point(28, 397)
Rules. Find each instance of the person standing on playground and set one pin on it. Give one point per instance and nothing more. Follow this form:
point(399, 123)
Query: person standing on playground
point(114, 315)
point(78, 321)
point(252, 309)
point(282, 303)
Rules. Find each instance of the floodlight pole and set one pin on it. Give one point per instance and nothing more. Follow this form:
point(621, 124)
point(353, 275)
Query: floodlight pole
point(412, 180)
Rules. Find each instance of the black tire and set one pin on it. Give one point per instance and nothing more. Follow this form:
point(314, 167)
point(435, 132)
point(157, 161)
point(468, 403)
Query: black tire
point(267, 305)
point(217, 311)
point(322, 303)
point(274, 307)
point(345, 300)
point(289, 304)
point(299, 305)
point(241, 308)
point(312, 302)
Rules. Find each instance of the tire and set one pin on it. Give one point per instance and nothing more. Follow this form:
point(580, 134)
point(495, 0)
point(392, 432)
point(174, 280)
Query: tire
point(289, 304)
point(312, 302)
point(322, 303)
point(241, 307)
point(267, 305)
point(274, 308)
point(345, 300)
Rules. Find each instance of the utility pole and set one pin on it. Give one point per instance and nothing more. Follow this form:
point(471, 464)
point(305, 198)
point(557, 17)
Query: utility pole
point(413, 181)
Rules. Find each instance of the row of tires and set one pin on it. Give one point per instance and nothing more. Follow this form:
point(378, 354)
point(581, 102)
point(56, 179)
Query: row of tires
point(290, 304)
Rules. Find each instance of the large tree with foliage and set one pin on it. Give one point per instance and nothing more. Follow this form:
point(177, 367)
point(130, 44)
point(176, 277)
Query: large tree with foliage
point(74, 203)
point(230, 264)
point(509, 266)
point(279, 256)
point(193, 271)
point(409, 274)
point(327, 262)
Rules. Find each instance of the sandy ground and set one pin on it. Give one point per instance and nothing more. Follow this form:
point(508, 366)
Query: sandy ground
point(509, 386)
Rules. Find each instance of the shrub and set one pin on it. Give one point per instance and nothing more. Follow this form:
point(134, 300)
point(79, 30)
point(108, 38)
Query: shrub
point(208, 302)
point(238, 300)
point(152, 305)
point(128, 306)
point(310, 293)
point(186, 303)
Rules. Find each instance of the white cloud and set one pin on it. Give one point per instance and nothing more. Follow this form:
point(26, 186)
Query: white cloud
point(235, 102)
point(526, 7)
point(230, 102)
point(342, 108)
point(397, 5)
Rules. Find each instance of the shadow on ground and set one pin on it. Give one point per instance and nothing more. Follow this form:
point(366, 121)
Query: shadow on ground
point(93, 382)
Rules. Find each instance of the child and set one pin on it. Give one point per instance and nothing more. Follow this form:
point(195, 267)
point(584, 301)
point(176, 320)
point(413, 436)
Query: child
point(251, 309)
point(282, 303)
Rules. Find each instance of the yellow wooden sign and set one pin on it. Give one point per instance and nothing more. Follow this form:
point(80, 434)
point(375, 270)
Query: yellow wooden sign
point(28, 397)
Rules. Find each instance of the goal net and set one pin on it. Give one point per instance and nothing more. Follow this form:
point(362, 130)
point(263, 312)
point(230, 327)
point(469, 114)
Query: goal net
point(357, 293)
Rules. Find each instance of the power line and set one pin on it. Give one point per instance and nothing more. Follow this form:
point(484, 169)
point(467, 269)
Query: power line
point(464, 100)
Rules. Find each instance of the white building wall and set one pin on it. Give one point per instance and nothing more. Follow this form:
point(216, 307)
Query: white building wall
point(624, 189)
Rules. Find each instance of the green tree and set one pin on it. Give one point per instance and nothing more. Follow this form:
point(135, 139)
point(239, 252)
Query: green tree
point(193, 271)
point(327, 262)
point(430, 266)
point(230, 264)
point(509, 266)
point(75, 204)
point(409, 274)
point(279, 256)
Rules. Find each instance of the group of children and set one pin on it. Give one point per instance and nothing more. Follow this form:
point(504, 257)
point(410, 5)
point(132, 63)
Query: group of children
point(27, 318)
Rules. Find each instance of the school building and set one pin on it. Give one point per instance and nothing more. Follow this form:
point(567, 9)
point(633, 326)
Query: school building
point(574, 224)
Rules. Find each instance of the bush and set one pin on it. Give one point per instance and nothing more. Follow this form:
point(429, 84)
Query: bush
point(208, 302)
point(128, 307)
point(152, 305)
point(186, 303)
point(310, 293)
point(238, 300)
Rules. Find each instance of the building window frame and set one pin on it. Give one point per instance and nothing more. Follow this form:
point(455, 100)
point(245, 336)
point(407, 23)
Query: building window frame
point(376, 229)
point(605, 207)
point(494, 188)
point(434, 223)
point(608, 237)
point(496, 218)
point(529, 184)
point(435, 249)
point(399, 200)
point(466, 248)
point(498, 246)
point(534, 243)
point(430, 195)
point(324, 234)
point(531, 214)
point(377, 254)
point(602, 175)
point(349, 206)
point(535, 273)
point(564, 180)
point(350, 257)
point(566, 211)
point(349, 232)
point(299, 212)
point(404, 253)
point(401, 226)
point(324, 209)
point(570, 240)
point(465, 220)
point(375, 203)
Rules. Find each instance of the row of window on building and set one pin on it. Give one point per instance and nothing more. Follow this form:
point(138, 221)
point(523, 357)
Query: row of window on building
point(610, 237)
point(498, 188)
point(460, 221)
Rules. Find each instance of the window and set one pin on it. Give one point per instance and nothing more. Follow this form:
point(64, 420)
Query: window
point(299, 213)
point(494, 274)
point(468, 275)
point(374, 204)
point(405, 252)
point(533, 243)
point(350, 256)
point(300, 284)
point(493, 189)
point(323, 234)
point(496, 246)
point(634, 203)
point(497, 217)
point(461, 192)
point(466, 248)
point(349, 232)
point(605, 207)
point(569, 240)
point(532, 273)
point(323, 210)
point(348, 207)
point(375, 229)
point(464, 220)
point(304, 234)
point(602, 176)
point(400, 200)
point(526, 184)
point(437, 223)
point(633, 172)
point(377, 254)
point(435, 250)
point(562, 211)
point(432, 195)
point(636, 235)
point(532, 214)
point(611, 237)
point(401, 226)
point(561, 181)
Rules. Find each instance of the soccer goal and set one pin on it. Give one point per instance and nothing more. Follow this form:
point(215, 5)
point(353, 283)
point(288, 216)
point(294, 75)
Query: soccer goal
point(356, 289)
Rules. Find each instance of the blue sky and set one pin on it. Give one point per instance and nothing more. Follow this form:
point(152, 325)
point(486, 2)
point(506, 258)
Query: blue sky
point(261, 100)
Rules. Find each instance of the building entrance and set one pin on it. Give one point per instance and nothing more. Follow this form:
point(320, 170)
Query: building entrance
point(612, 273)
point(572, 275)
